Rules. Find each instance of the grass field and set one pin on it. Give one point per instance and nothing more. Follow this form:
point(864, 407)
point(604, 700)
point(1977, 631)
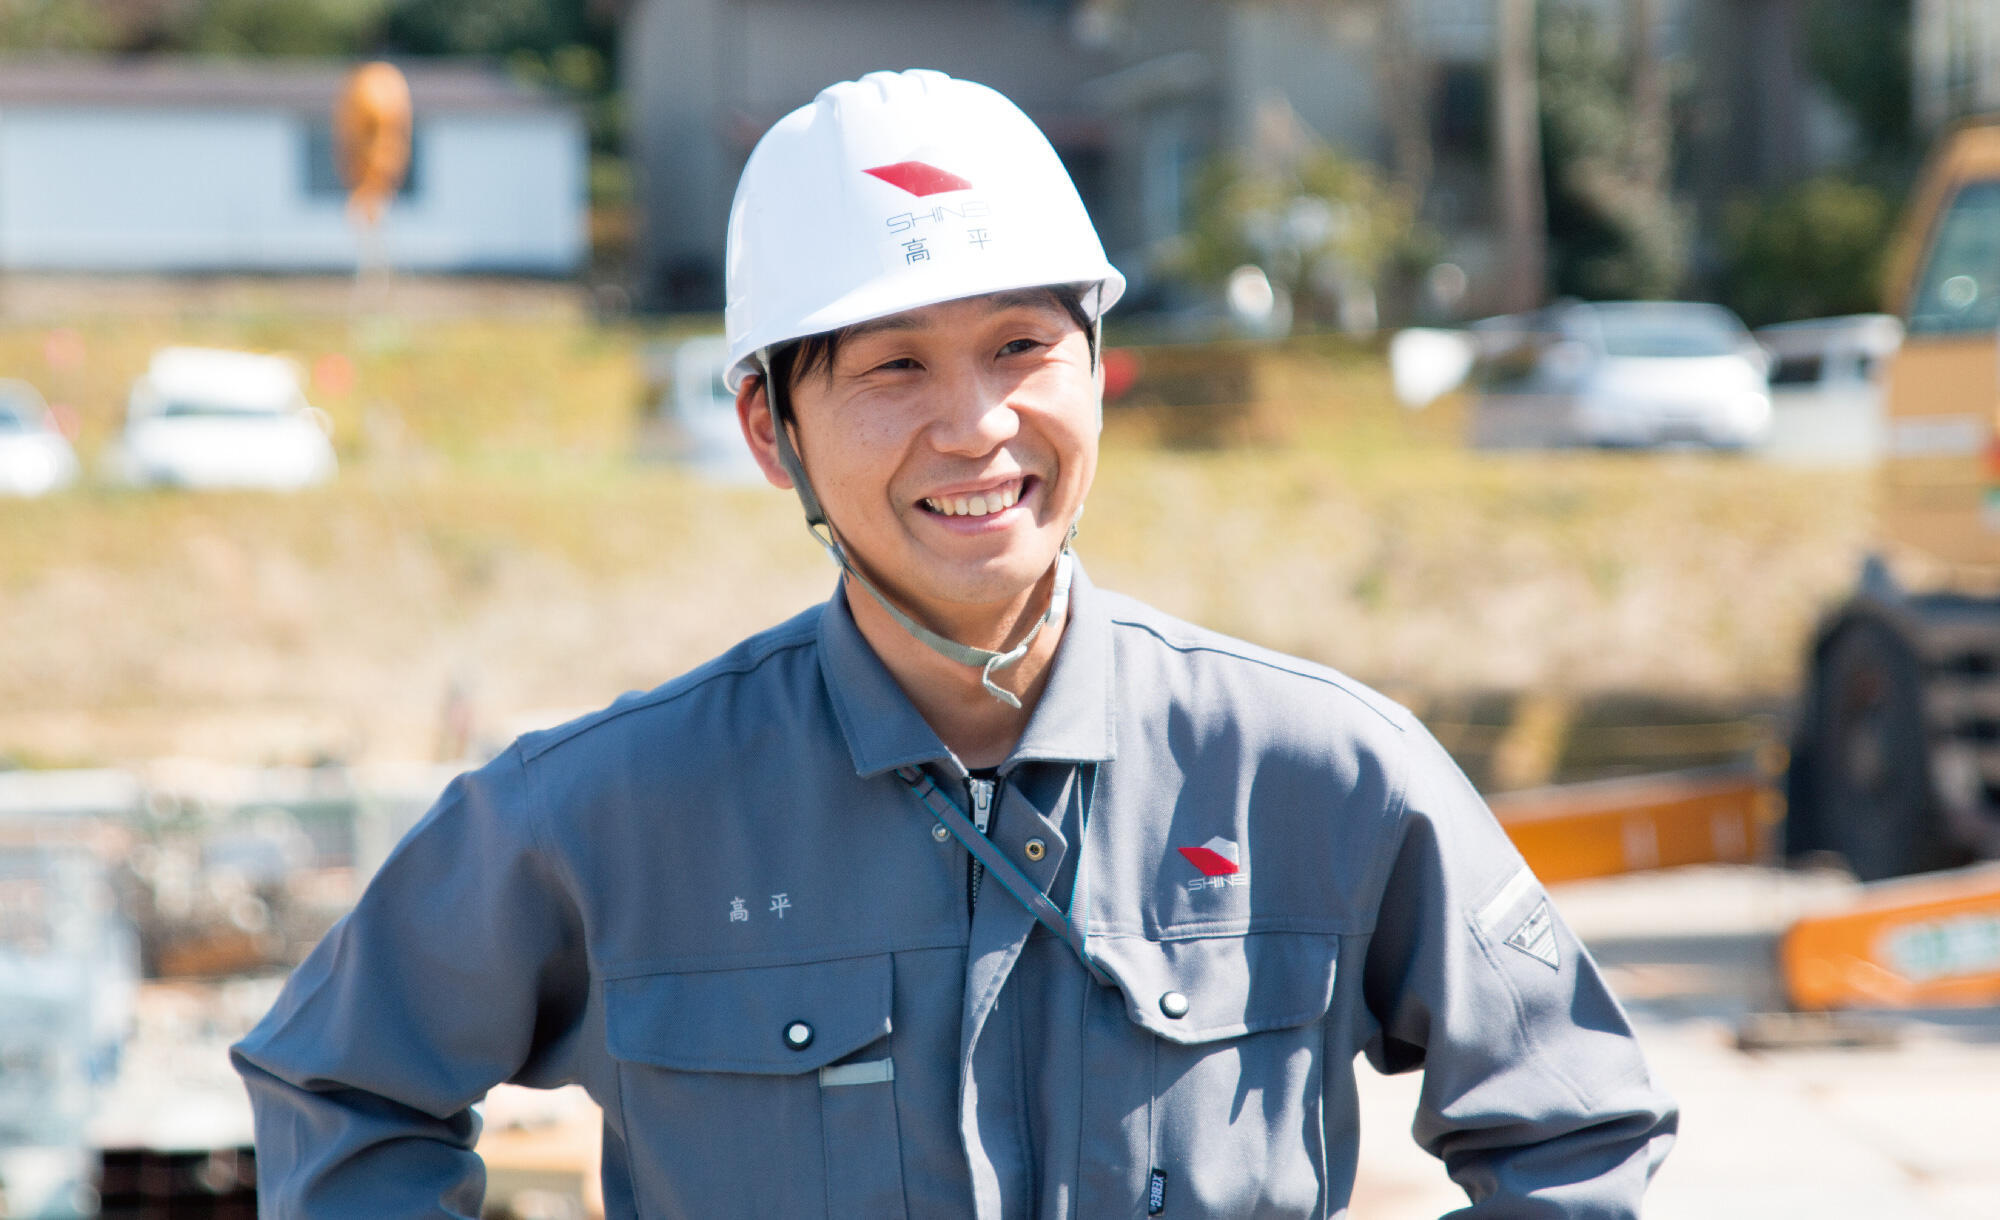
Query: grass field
point(492, 547)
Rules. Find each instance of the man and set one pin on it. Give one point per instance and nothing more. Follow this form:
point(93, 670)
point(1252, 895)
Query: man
point(975, 891)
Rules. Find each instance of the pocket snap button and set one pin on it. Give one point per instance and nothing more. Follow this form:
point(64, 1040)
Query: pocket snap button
point(940, 832)
point(1174, 1004)
point(1036, 849)
point(798, 1035)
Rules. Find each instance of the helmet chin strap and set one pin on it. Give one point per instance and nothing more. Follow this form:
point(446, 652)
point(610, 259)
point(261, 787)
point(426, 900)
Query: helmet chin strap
point(985, 660)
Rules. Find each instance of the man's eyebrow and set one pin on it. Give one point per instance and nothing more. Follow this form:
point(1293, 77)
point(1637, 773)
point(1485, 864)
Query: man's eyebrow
point(895, 321)
point(1015, 298)
point(1012, 298)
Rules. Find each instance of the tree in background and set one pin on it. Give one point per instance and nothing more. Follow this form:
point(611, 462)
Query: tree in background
point(1521, 196)
point(208, 27)
point(1322, 227)
point(1816, 248)
point(1810, 250)
point(1859, 50)
point(57, 25)
point(277, 27)
point(1615, 228)
point(566, 44)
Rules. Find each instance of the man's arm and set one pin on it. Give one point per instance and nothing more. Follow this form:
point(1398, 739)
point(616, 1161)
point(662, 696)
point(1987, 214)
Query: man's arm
point(1535, 1093)
point(461, 967)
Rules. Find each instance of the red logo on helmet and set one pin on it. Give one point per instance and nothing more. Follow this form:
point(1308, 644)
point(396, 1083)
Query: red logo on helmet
point(918, 178)
point(1215, 858)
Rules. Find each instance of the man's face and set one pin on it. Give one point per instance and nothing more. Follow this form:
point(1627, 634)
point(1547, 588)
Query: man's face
point(951, 446)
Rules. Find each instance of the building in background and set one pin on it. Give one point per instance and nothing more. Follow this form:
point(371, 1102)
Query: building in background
point(704, 79)
point(1138, 95)
point(175, 165)
point(1955, 54)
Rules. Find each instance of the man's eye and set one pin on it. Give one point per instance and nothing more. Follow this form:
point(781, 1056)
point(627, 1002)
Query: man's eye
point(901, 362)
point(1020, 347)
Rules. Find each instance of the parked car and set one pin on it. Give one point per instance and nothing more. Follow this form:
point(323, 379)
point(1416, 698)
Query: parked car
point(210, 418)
point(35, 458)
point(1826, 387)
point(693, 420)
point(1620, 373)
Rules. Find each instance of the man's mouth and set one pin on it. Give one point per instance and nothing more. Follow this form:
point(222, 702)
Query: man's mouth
point(981, 504)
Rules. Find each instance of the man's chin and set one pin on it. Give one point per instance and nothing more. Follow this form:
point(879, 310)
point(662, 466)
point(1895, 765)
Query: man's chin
point(999, 589)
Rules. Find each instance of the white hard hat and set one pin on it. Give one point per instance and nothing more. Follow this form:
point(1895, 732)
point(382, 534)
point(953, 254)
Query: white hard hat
point(899, 190)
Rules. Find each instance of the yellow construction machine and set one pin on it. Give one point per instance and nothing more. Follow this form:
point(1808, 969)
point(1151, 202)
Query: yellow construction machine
point(1896, 759)
point(1896, 762)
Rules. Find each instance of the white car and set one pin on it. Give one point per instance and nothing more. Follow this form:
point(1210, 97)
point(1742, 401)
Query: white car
point(1621, 373)
point(209, 418)
point(698, 410)
point(35, 459)
point(1826, 388)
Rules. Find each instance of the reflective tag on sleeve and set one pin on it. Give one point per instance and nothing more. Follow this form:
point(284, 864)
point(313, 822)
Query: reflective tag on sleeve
point(1536, 936)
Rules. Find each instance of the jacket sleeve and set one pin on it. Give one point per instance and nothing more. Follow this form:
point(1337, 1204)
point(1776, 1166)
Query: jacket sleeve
point(1534, 1093)
point(461, 966)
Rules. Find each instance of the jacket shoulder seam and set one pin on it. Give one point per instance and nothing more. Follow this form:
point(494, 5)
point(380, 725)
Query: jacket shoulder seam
point(674, 689)
point(1194, 646)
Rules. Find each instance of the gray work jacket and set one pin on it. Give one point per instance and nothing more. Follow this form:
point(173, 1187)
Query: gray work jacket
point(717, 907)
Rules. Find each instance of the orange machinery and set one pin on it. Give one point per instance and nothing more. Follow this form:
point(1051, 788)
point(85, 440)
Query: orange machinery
point(1570, 832)
point(1914, 942)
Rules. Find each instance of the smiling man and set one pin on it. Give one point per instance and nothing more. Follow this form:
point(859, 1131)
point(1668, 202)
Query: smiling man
point(954, 445)
point(975, 891)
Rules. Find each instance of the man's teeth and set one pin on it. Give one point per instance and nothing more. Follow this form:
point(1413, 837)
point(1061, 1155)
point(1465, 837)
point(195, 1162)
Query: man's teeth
point(975, 506)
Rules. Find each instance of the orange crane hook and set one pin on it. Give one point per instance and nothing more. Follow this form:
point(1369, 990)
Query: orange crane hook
point(371, 131)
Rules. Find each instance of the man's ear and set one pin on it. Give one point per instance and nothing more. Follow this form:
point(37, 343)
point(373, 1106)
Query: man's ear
point(1097, 383)
point(753, 414)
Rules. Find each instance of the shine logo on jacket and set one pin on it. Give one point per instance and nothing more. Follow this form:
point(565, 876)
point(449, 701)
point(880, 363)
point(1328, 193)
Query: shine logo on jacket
point(1220, 862)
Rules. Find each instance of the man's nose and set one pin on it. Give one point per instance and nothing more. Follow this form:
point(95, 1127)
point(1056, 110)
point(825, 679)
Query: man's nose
point(974, 416)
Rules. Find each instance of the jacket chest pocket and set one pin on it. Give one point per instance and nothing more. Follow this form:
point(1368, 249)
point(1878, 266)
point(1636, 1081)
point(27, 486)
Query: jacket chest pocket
point(761, 1091)
point(1229, 1033)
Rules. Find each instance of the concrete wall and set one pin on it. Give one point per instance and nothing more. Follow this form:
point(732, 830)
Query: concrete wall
point(115, 189)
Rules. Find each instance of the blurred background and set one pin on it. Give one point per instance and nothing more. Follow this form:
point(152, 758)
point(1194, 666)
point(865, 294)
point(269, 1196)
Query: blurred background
point(1608, 380)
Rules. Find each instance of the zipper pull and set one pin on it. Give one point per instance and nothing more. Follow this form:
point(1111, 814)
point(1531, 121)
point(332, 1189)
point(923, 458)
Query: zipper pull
point(982, 802)
point(981, 791)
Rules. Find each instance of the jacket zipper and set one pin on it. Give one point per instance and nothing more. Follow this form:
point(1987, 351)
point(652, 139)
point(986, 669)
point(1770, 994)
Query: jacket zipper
point(981, 791)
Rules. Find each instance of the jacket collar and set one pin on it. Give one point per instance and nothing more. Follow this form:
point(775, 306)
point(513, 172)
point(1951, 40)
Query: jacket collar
point(1071, 723)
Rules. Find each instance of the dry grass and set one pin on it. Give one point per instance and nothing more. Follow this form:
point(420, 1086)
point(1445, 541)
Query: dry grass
point(488, 534)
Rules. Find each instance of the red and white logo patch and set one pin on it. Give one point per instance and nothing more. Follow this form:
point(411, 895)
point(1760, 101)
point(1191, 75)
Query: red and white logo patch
point(1216, 858)
point(1220, 863)
point(919, 178)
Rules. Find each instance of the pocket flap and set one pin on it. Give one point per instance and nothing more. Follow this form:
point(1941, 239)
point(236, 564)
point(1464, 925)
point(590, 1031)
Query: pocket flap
point(1230, 985)
point(743, 1020)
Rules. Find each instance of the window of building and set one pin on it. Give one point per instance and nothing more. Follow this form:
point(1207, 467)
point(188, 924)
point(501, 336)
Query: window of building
point(1460, 104)
point(322, 176)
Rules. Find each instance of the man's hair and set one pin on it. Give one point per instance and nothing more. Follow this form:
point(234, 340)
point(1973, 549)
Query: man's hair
point(799, 359)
